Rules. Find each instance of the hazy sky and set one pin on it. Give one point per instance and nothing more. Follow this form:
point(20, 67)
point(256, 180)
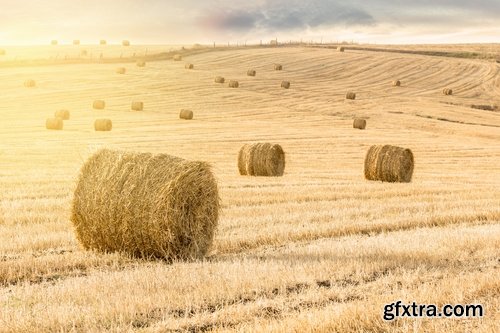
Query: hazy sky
point(191, 21)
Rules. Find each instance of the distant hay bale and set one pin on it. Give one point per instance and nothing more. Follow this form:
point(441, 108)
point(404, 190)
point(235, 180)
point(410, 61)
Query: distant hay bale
point(261, 159)
point(251, 72)
point(234, 84)
point(63, 114)
point(359, 123)
point(102, 42)
point(103, 125)
point(30, 83)
point(76, 42)
point(447, 91)
point(389, 164)
point(285, 84)
point(83, 53)
point(189, 66)
point(2, 52)
point(278, 67)
point(121, 70)
point(350, 95)
point(125, 43)
point(396, 83)
point(141, 63)
point(340, 49)
point(186, 114)
point(54, 124)
point(137, 106)
point(219, 79)
point(99, 104)
point(53, 42)
point(145, 205)
point(177, 57)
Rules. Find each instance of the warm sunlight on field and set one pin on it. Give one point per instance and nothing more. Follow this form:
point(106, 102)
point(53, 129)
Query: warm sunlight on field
point(320, 249)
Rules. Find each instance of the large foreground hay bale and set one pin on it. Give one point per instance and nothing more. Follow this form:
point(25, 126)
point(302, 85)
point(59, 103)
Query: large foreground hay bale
point(125, 43)
point(103, 125)
point(251, 72)
point(340, 49)
point(396, 83)
point(278, 67)
point(389, 164)
point(350, 95)
point(219, 79)
point(261, 159)
point(285, 84)
point(177, 57)
point(151, 206)
point(359, 123)
point(137, 106)
point(188, 66)
point(54, 124)
point(76, 42)
point(141, 63)
point(63, 114)
point(99, 104)
point(447, 91)
point(234, 84)
point(30, 83)
point(186, 114)
point(121, 70)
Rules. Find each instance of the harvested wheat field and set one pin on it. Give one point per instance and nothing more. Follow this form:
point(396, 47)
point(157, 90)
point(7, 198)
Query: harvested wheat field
point(319, 249)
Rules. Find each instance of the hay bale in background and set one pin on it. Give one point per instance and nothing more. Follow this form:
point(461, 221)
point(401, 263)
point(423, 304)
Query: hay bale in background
point(141, 63)
point(2, 52)
point(278, 67)
point(83, 53)
point(103, 125)
point(76, 42)
point(188, 66)
point(389, 164)
point(447, 91)
point(261, 159)
point(396, 83)
point(63, 114)
point(99, 104)
point(177, 57)
point(53, 42)
point(350, 95)
point(137, 106)
point(30, 83)
point(359, 123)
point(234, 84)
point(340, 49)
point(125, 43)
point(251, 72)
point(219, 79)
point(285, 84)
point(102, 42)
point(145, 205)
point(186, 114)
point(121, 70)
point(54, 124)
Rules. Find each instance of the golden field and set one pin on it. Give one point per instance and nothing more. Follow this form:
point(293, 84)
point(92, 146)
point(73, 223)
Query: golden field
point(318, 250)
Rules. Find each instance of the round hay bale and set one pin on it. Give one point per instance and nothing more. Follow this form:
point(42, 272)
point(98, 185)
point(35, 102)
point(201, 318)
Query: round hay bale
point(261, 159)
point(219, 79)
point(177, 57)
point(389, 164)
point(137, 106)
point(102, 42)
point(103, 125)
point(30, 83)
point(186, 114)
point(2, 52)
point(234, 84)
point(141, 63)
point(76, 42)
point(447, 91)
point(359, 123)
point(121, 70)
point(54, 124)
point(145, 205)
point(83, 53)
point(350, 95)
point(63, 114)
point(396, 83)
point(340, 49)
point(99, 104)
point(278, 67)
point(125, 43)
point(53, 42)
point(285, 84)
point(188, 66)
point(251, 72)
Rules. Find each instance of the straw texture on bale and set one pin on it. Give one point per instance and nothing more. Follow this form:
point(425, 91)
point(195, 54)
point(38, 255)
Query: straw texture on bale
point(261, 159)
point(234, 84)
point(137, 106)
point(54, 124)
point(396, 83)
point(359, 123)
point(219, 79)
point(389, 164)
point(149, 206)
point(121, 70)
point(447, 91)
point(103, 125)
point(285, 84)
point(189, 66)
point(350, 95)
point(141, 63)
point(186, 114)
point(99, 104)
point(29, 83)
point(125, 43)
point(177, 57)
point(102, 42)
point(63, 114)
point(76, 42)
point(340, 49)
point(278, 67)
point(251, 72)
